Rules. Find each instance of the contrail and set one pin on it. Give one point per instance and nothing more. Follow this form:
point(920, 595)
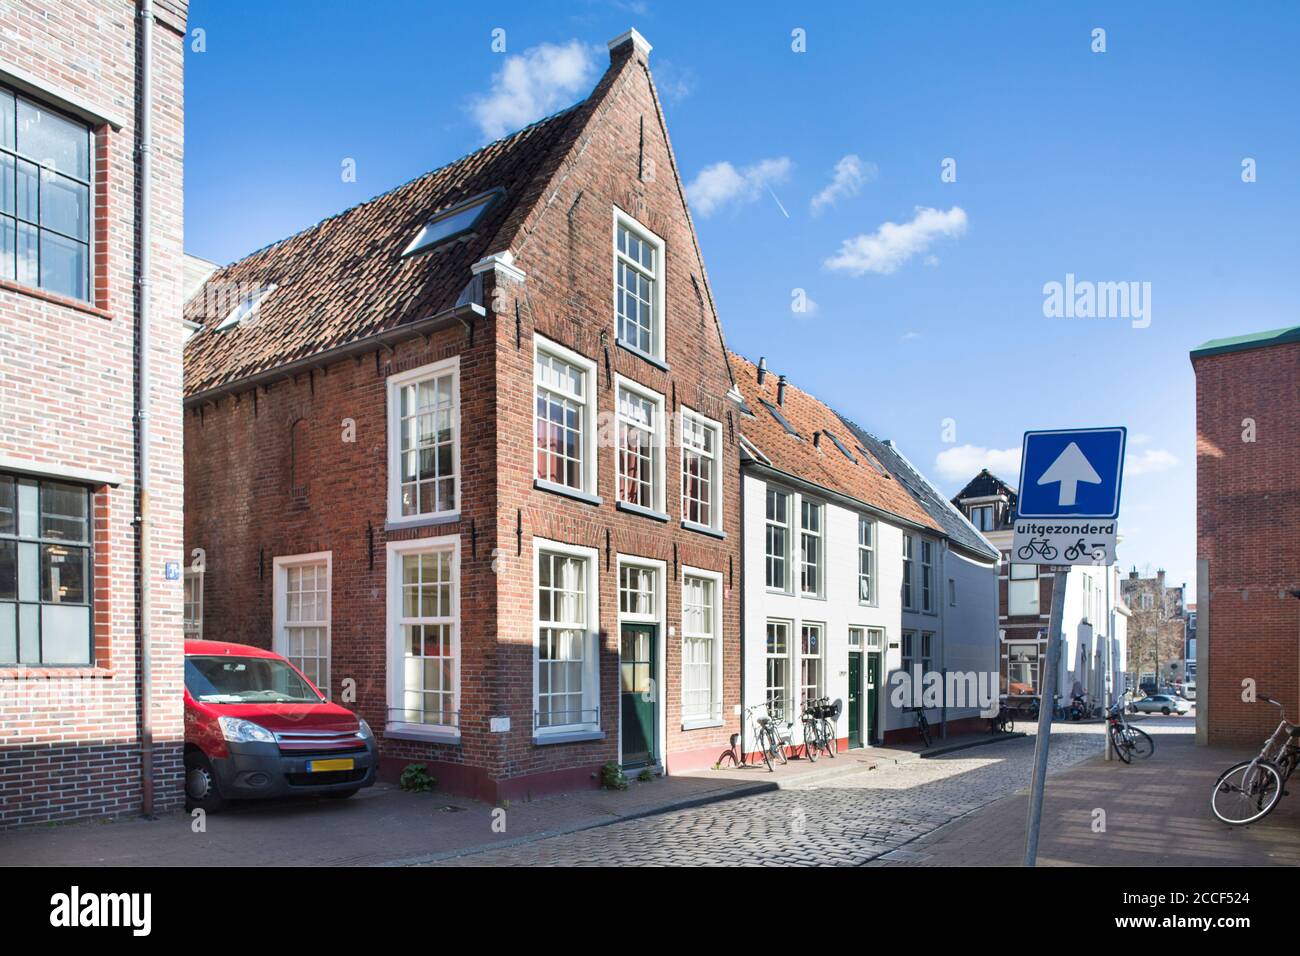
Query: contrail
point(778, 202)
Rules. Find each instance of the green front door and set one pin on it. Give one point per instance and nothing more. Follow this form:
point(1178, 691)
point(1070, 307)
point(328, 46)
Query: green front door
point(873, 696)
point(855, 699)
point(640, 696)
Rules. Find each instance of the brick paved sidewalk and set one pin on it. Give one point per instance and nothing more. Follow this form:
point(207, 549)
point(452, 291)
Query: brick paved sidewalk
point(1156, 812)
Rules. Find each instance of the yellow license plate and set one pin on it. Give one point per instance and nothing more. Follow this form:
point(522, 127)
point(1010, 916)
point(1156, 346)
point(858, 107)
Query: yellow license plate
point(321, 766)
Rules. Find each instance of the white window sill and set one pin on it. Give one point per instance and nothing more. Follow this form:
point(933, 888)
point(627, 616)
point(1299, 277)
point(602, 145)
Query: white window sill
point(704, 529)
point(419, 732)
point(642, 510)
point(576, 736)
point(574, 493)
point(422, 521)
point(700, 723)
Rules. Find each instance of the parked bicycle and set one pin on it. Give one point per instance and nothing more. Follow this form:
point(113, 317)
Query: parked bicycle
point(1127, 741)
point(819, 733)
point(735, 755)
point(1251, 790)
point(922, 725)
point(1004, 721)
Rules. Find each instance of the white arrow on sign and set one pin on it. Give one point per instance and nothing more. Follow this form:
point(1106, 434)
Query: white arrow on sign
point(1070, 468)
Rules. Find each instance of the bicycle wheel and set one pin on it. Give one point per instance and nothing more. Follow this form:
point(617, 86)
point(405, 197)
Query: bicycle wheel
point(766, 744)
point(810, 742)
point(1141, 742)
point(925, 730)
point(832, 741)
point(1246, 793)
point(1120, 745)
point(780, 756)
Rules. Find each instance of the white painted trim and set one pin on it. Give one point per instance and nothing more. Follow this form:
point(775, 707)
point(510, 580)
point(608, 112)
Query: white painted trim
point(394, 649)
point(42, 469)
point(660, 620)
point(639, 43)
point(714, 718)
point(279, 581)
point(591, 655)
point(659, 348)
point(716, 481)
point(659, 439)
point(590, 465)
point(502, 263)
point(393, 385)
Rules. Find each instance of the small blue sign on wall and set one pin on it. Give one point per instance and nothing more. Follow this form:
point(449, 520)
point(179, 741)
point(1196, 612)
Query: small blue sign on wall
point(1072, 473)
point(172, 569)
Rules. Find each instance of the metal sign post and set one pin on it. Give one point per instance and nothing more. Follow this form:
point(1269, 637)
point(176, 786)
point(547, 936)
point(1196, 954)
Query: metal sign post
point(1046, 705)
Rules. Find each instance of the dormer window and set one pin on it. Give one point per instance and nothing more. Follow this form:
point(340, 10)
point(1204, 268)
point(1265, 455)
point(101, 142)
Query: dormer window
point(247, 306)
point(981, 516)
point(452, 223)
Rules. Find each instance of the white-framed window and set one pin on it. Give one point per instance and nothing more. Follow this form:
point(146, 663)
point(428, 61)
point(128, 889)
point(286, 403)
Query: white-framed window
point(640, 446)
point(1022, 590)
point(302, 614)
point(926, 659)
point(567, 620)
point(424, 442)
point(424, 635)
point(875, 639)
point(811, 558)
point(638, 593)
point(856, 638)
point(981, 516)
point(927, 575)
point(701, 647)
point(701, 440)
point(778, 540)
point(811, 660)
point(908, 648)
point(564, 417)
point(192, 613)
point(776, 655)
point(909, 598)
point(866, 560)
point(1022, 668)
point(638, 286)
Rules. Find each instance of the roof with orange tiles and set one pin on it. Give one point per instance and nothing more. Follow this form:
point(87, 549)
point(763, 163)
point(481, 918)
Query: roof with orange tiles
point(823, 451)
point(346, 279)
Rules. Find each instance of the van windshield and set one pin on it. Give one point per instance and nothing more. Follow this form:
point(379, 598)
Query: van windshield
point(246, 680)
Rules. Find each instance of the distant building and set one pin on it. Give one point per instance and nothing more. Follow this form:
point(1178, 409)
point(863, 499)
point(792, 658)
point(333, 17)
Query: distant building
point(1157, 633)
point(1247, 532)
point(1095, 612)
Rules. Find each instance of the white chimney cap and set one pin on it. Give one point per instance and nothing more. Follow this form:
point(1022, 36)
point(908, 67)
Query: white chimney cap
point(639, 43)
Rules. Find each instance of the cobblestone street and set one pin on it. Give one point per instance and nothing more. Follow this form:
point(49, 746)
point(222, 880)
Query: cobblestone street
point(849, 820)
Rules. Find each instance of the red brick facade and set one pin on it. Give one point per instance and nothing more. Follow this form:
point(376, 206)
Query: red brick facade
point(70, 736)
point(243, 507)
point(1248, 530)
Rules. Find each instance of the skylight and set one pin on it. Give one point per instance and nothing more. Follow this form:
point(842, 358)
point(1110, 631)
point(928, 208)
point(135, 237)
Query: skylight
point(871, 459)
point(452, 222)
point(776, 413)
point(840, 445)
point(248, 304)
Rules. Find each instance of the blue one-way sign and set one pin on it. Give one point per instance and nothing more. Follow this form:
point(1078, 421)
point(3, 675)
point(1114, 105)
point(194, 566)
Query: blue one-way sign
point(1072, 473)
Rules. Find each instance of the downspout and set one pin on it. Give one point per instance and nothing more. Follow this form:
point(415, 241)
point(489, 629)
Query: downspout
point(143, 282)
point(744, 664)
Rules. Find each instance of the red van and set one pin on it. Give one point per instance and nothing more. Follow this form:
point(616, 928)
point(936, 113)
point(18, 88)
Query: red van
point(256, 727)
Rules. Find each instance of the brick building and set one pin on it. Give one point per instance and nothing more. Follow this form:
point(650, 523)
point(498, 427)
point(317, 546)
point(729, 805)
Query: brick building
point(1157, 629)
point(466, 453)
point(1095, 619)
point(82, 712)
point(1247, 531)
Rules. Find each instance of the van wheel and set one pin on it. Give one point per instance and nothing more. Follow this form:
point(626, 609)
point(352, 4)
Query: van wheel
point(342, 794)
point(201, 791)
point(1165, 711)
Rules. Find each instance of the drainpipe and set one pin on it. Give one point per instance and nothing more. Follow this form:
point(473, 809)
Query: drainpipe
point(143, 283)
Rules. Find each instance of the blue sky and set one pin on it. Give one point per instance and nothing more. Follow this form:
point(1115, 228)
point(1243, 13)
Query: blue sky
point(1115, 166)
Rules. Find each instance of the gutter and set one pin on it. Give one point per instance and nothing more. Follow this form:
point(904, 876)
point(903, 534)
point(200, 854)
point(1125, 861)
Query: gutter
point(464, 314)
point(144, 265)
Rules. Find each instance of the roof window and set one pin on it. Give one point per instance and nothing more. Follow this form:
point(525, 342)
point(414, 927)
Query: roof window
point(452, 223)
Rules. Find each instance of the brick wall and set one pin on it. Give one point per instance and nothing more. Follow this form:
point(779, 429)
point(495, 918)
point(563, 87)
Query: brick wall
point(241, 511)
point(69, 738)
point(1248, 529)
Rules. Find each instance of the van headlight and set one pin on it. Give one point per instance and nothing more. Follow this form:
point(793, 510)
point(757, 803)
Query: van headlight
point(239, 731)
point(363, 729)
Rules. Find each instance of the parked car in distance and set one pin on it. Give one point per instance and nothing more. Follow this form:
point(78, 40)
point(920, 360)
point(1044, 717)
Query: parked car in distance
point(1189, 690)
point(1161, 704)
point(256, 727)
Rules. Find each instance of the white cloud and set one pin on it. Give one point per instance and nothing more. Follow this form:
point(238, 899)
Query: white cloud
point(532, 84)
point(674, 83)
point(964, 462)
point(1149, 461)
point(850, 175)
point(884, 250)
point(722, 183)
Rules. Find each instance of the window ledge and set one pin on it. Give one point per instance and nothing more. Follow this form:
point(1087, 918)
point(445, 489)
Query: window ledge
point(566, 491)
point(704, 529)
point(644, 356)
point(700, 724)
point(38, 672)
point(567, 737)
point(397, 524)
point(54, 298)
point(440, 735)
point(643, 511)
